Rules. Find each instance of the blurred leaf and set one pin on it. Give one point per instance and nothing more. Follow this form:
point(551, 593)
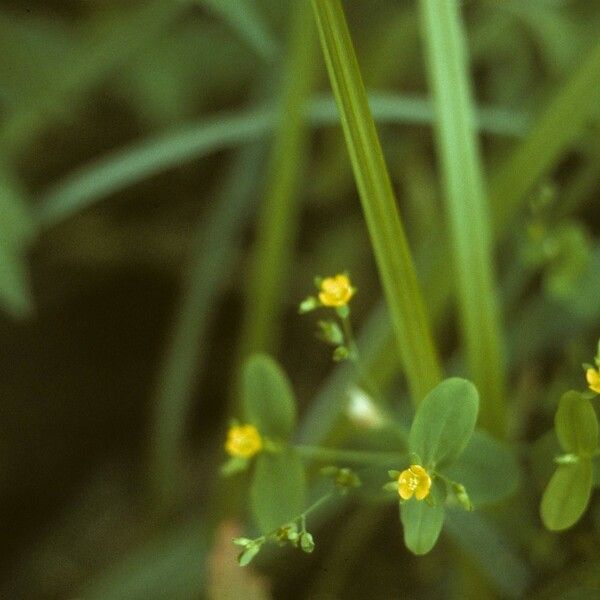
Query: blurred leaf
point(488, 469)
point(490, 549)
point(245, 18)
point(576, 424)
point(267, 397)
point(554, 132)
point(567, 495)
point(466, 205)
point(278, 491)
point(16, 229)
point(172, 566)
point(444, 422)
point(422, 523)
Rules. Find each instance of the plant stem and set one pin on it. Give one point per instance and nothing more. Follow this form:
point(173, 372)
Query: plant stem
point(352, 456)
point(394, 260)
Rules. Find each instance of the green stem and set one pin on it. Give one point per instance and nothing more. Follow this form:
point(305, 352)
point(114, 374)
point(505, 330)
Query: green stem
point(351, 456)
point(392, 254)
point(467, 208)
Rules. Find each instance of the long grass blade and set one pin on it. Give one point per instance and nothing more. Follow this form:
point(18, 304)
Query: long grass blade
point(135, 163)
point(244, 17)
point(470, 229)
point(394, 260)
point(279, 211)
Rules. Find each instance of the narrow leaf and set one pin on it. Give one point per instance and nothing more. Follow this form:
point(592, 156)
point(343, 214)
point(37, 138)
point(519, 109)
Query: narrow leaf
point(388, 238)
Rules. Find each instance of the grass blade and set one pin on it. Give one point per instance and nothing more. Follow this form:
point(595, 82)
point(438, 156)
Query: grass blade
point(278, 217)
point(244, 17)
point(553, 133)
point(470, 229)
point(214, 252)
point(396, 268)
point(134, 163)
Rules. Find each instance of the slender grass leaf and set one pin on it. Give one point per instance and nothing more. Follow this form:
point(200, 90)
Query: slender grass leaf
point(470, 228)
point(139, 161)
point(244, 17)
point(567, 495)
point(488, 469)
point(576, 424)
point(267, 397)
point(214, 250)
point(574, 105)
point(392, 254)
point(278, 218)
point(278, 490)
point(422, 523)
point(444, 423)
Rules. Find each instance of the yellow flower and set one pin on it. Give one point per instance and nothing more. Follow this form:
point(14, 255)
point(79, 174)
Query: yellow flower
point(243, 441)
point(336, 291)
point(414, 481)
point(593, 379)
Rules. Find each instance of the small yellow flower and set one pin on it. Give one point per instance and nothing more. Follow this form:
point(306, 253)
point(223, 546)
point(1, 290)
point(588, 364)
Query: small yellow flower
point(243, 441)
point(593, 379)
point(336, 291)
point(414, 481)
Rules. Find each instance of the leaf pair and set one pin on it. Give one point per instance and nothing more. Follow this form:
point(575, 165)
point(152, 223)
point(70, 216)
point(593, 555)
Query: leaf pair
point(568, 492)
point(441, 430)
point(278, 487)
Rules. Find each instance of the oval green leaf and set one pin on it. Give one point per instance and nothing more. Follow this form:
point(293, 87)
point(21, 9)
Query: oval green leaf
point(488, 469)
point(422, 523)
point(278, 489)
point(576, 424)
point(567, 495)
point(267, 397)
point(444, 422)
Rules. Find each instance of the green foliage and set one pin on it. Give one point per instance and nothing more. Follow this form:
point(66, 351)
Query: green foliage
point(422, 522)
point(567, 495)
point(444, 423)
point(278, 489)
point(488, 469)
point(576, 424)
point(267, 397)
point(568, 492)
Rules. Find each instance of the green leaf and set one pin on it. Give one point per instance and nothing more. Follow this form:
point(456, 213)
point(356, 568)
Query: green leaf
point(444, 422)
point(236, 464)
point(466, 203)
point(422, 522)
point(267, 397)
point(567, 495)
point(488, 469)
point(245, 18)
point(576, 424)
point(393, 256)
point(278, 489)
point(245, 557)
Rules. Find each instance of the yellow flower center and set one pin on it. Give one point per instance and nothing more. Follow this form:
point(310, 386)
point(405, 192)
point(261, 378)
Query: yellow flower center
point(593, 379)
point(243, 441)
point(414, 481)
point(336, 291)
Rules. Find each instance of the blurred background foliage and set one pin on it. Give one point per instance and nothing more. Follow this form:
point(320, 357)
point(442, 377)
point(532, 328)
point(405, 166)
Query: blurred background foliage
point(147, 151)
